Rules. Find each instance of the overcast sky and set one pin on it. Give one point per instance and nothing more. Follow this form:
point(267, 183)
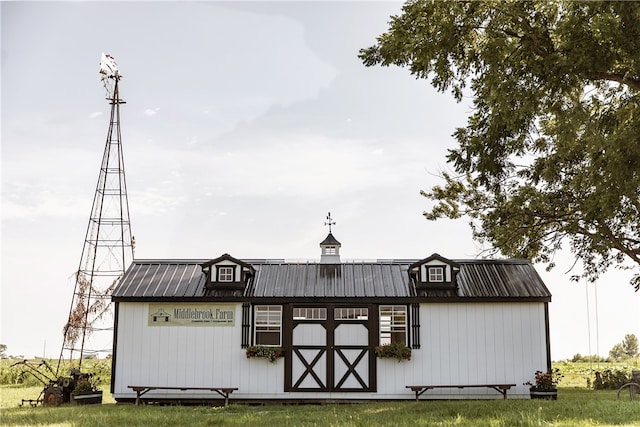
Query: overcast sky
point(245, 123)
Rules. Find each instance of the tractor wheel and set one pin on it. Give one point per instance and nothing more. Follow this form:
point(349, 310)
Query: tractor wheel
point(52, 396)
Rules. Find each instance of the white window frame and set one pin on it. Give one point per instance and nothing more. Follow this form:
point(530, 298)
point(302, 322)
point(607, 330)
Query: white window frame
point(225, 273)
point(393, 324)
point(435, 273)
point(330, 250)
point(351, 313)
point(310, 313)
point(267, 319)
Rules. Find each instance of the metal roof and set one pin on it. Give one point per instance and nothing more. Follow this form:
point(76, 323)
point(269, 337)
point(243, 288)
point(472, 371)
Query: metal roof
point(508, 278)
point(502, 279)
point(162, 279)
point(330, 241)
point(357, 279)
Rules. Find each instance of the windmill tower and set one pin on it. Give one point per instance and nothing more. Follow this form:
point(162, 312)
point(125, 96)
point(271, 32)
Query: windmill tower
point(108, 245)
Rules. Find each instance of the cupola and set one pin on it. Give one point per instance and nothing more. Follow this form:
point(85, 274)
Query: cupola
point(330, 247)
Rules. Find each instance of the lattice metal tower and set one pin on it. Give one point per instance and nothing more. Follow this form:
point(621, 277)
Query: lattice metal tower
point(108, 245)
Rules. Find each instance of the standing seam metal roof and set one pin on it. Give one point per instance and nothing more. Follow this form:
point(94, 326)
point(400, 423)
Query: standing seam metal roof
point(275, 279)
point(300, 280)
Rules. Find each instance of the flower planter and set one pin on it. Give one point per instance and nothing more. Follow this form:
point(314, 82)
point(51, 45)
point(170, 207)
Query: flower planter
point(545, 384)
point(396, 351)
point(539, 393)
point(272, 354)
point(86, 397)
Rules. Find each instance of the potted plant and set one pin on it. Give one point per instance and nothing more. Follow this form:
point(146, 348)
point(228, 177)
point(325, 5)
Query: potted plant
point(394, 350)
point(268, 352)
point(545, 384)
point(86, 391)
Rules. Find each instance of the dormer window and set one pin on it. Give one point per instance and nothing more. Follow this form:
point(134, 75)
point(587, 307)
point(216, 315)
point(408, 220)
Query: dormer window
point(436, 274)
point(225, 273)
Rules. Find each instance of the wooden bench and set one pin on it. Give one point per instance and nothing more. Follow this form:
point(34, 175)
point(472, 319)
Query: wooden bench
point(501, 388)
point(142, 389)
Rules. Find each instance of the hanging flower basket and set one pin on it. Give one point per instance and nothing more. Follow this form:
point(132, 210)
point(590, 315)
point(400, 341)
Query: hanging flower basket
point(267, 352)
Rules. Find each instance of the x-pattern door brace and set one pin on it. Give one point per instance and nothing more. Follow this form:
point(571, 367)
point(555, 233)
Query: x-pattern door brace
point(309, 367)
point(351, 367)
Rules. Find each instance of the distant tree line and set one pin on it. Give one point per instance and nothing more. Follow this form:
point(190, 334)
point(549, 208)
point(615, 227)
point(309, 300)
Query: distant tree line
point(623, 351)
point(594, 358)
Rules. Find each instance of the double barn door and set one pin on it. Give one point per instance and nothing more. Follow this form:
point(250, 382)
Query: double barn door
point(331, 349)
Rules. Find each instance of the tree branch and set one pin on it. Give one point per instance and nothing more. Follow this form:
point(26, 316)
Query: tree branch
point(617, 77)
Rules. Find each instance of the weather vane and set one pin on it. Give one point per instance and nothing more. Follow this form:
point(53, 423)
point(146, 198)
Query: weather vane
point(109, 74)
point(330, 221)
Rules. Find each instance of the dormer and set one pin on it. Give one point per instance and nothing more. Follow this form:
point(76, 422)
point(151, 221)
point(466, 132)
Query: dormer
point(435, 276)
point(227, 272)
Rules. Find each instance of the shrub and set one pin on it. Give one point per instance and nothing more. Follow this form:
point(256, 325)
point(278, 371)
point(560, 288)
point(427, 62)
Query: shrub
point(611, 379)
point(101, 369)
point(18, 374)
point(86, 383)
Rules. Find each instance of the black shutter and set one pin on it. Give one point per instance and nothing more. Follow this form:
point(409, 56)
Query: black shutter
point(246, 325)
point(415, 326)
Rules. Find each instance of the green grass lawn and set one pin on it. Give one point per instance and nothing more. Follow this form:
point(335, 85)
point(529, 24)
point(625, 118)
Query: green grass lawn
point(574, 407)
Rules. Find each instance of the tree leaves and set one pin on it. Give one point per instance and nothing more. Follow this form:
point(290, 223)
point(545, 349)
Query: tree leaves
point(551, 151)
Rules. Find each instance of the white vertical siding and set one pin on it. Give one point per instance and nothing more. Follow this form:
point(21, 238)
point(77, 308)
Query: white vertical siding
point(471, 343)
point(463, 343)
point(483, 343)
point(187, 356)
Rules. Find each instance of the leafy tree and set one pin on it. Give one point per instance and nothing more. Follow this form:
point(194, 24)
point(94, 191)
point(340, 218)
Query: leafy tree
point(628, 348)
point(630, 345)
point(550, 154)
point(3, 351)
point(616, 353)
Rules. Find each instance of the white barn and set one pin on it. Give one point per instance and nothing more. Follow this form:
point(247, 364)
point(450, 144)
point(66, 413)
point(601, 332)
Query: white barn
point(188, 323)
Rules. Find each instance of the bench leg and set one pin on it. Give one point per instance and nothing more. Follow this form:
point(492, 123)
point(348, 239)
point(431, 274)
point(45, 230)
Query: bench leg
point(139, 393)
point(419, 393)
point(224, 394)
point(502, 391)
